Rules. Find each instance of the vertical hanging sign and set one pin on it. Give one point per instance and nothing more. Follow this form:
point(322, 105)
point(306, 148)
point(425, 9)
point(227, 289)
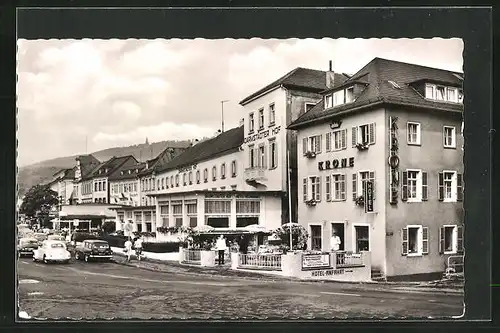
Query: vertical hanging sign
point(369, 197)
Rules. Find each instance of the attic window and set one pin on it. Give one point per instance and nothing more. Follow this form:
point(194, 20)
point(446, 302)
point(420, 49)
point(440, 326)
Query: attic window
point(394, 85)
point(443, 93)
point(340, 97)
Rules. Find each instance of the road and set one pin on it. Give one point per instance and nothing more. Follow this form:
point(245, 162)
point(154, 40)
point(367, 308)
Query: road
point(110, 290)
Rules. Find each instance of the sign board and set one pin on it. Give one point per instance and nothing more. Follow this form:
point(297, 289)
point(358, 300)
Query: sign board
point(262, 134)
point(369, 197)
point(315, 260)
point(336, 164)
point(327, 272)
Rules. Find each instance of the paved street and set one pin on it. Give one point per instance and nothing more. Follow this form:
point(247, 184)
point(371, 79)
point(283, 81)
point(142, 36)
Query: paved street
point(111, 290)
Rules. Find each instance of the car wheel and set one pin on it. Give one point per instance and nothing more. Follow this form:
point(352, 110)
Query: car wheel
point(86, 258)
point(34, 259)
point(77, 256)
point(45, 261)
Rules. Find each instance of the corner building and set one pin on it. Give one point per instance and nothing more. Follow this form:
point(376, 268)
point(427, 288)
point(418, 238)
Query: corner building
point(380, 162)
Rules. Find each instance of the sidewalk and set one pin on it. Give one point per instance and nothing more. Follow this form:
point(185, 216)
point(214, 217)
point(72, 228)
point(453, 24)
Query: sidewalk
point(225, 272)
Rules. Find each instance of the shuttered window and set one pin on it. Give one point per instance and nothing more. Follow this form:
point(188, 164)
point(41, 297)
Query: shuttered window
point(328, 188)
point(304, 189)
point(414, 240)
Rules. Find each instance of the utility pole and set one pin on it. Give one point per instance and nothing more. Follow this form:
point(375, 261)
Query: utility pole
point(222, 110)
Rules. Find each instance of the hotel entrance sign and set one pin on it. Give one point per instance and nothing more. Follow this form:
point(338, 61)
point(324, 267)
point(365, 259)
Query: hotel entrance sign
point(369, 197)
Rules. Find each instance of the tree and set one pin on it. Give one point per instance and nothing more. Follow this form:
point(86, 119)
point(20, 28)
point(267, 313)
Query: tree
point(38, 202)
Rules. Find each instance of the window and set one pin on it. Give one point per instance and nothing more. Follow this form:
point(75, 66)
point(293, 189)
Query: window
point(450, 186)
point(273, 155)
point(262, 156)
point(171, 181)
point(217, 207)
point(413, 130)
point(95, 187)
point(449, 137)
point(316, 237)
point(312, 189)
point(205, 175)
point(312, 144)
point(415, 240)
point(443, 93)
point(177, 181)
point(450, 239)
point(190, 177)
point(272, 115)
point(177, 214)
point(223, 171)
point(233, 169)
point(251, 123)
point(104, 186)
point(364, 134)
point(163, 183)
point(159, 184)
point(414, 186)
point(192, 213)
point(336, 140)
point(261, 118)
point(328, 101)
point(252, 156)
point(308, 106)
point(364, 176)
point(198, 177)
point(184, 179)
point(361, 238)
point(214, 173)
point(338, 187)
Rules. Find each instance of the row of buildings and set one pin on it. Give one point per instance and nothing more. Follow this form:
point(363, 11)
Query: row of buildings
point(375, 157)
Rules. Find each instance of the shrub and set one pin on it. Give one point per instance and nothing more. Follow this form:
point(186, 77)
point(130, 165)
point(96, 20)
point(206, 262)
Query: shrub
point(115, 241)
point(81, 236)
point(162, 247)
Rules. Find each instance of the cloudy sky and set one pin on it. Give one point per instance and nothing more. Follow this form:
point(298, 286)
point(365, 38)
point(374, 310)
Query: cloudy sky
point(118, 92)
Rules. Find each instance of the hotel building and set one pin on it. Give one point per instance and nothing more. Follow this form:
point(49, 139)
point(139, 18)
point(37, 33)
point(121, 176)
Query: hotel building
point(380, 162)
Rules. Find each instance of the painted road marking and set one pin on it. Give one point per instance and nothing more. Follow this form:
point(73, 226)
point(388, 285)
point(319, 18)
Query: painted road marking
point(28, 281)
point(339, 294)
point(201, 283)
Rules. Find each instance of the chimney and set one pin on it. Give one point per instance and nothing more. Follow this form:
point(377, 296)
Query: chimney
point(330, 76)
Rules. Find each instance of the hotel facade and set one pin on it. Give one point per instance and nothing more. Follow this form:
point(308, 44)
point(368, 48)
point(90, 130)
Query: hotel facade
point(380, 162)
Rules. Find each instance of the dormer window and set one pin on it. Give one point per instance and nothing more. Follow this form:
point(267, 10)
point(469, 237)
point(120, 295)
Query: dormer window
point(340, 97)
point(198, 176)
point(443, 93)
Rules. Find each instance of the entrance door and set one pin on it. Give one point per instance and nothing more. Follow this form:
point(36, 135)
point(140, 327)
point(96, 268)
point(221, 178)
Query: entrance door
point(339, 231)
point(362, 238)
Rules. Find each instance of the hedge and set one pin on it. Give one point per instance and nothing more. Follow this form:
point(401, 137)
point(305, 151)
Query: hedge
point(115, 241)
point(162, 247)
point(81, 236)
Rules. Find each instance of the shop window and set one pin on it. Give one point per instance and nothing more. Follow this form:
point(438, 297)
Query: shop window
point(218, 222)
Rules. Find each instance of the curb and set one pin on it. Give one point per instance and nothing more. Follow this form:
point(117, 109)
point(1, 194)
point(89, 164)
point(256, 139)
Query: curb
point(385, 286)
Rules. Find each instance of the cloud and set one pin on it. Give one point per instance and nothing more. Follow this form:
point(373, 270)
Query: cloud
point(120, 91)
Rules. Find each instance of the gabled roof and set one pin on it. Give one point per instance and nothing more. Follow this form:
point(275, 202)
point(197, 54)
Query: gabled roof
point(129, 172)
point(108, 167)
point(67, 173)
point(224, 143)
point(299, 78)
point(167, 155)
point(87, 164)
point(376, 76)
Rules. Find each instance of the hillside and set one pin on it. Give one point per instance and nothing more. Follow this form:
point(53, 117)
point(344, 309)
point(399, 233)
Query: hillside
point(43, 171)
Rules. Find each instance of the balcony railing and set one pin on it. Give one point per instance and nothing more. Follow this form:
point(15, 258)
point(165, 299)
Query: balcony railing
point(347, 259)
point(256, 173)
point(260, 261)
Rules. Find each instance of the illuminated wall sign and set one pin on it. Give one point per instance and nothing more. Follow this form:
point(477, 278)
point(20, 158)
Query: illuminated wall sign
point(336, 164)
point(262, 134)
point(188, 168)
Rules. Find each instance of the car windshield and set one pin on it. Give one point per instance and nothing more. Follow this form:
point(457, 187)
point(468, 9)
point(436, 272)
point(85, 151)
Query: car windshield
point(57, 245)
point(101, 245)
point(57, 237)
point(29, 241)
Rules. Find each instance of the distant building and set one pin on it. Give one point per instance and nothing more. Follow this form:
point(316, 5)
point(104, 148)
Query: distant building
point(380, 163)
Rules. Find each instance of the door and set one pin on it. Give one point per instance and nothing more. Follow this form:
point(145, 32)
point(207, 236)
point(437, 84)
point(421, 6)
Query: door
point(362, 238)
point(339, 231)
point(316, 238)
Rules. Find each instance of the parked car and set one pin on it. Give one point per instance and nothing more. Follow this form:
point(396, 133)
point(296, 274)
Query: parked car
point(26, 246)
point(52, 251)
point(93, 249)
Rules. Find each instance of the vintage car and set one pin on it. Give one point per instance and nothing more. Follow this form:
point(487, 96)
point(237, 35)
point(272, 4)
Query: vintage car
point(93, 249)
point(26, 246)
point(40, 236)
point(52, 251)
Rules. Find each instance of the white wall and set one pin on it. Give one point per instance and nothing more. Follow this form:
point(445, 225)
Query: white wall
point(276, 179)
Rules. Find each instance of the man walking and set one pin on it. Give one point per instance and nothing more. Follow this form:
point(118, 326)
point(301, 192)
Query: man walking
point(221, 247)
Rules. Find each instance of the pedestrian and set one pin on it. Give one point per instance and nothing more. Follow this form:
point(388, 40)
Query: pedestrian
point(335, 241)
point(221, 248)
point(128, 249)
point(138, 248)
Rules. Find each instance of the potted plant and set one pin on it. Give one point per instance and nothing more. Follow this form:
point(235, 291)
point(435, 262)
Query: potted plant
point(360, 201)
point(362, 146)
point(310, 154)
point(311, 202)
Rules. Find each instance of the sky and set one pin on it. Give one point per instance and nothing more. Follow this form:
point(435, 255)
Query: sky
point(118, 92)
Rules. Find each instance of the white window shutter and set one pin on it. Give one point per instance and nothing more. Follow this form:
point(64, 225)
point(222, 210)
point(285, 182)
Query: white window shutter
point(404, 241)
point(318, 189)
point(343, 139)
point(304, 146)
point(328, 141)
point(328, 188)
point(304, 189)
point(319, 138)
point(354, 136)
point(342, 187)
point(425, 240)
point(371, 133)
point(441, 240)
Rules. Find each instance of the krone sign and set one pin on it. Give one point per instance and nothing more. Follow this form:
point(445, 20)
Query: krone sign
point(336, 164)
